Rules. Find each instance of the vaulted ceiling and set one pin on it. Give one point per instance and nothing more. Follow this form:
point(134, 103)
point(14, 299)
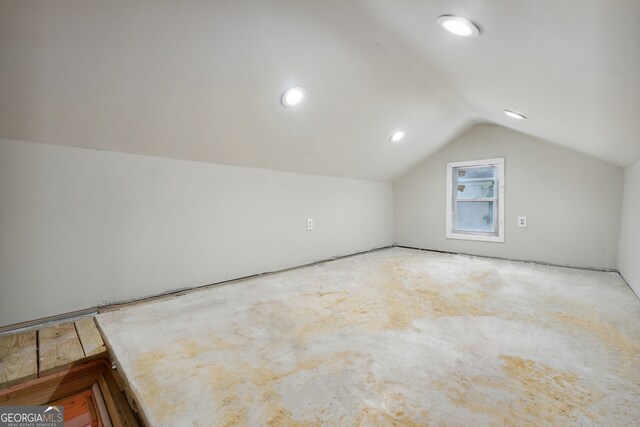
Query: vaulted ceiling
point(202, 80)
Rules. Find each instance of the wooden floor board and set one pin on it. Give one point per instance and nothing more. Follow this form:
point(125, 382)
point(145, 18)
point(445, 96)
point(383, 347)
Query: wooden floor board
point(18, 358)
point(27, 355)
point(90, 338)
point(59, 347)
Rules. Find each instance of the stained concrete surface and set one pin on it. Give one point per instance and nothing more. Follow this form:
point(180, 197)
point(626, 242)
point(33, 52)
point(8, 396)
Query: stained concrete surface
point(394, 337)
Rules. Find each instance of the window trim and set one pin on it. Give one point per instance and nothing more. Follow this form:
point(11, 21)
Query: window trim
point(450, 205)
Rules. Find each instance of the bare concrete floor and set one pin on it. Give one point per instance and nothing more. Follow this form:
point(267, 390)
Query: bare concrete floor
point(395, 337)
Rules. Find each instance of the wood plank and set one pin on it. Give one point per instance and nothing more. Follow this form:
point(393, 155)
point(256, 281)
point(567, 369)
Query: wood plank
point(125, 405)
point(103, 412)
point(59, 347)
point(118, 417)
point(18, 358)
point(58, 385)
point(90, 337)
point(65, 383)
point(81, 409)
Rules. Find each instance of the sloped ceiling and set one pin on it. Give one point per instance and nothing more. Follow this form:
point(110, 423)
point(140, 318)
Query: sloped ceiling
point(202, 80)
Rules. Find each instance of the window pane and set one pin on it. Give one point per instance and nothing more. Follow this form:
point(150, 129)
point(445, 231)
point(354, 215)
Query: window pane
point(475, 189)
point(464, 173)
point(475, 216)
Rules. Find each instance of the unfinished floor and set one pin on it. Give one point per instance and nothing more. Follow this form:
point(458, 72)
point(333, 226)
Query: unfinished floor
point(394, 337)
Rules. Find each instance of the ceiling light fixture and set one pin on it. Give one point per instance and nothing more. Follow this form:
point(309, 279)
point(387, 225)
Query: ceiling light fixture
point(293, 96)
point(459, 26)
point(514, 115)
point(397, 136)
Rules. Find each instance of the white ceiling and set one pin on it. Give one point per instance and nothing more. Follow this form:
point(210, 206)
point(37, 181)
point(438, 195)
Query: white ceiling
point(202, 80)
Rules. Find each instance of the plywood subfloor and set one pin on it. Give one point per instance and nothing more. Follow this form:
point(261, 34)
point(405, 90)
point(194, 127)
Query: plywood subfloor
point(395, 337)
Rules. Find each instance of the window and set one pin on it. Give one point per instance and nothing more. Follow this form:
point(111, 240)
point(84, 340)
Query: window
point(475, 200)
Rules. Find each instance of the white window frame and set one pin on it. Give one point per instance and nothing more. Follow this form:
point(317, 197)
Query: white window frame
point(452, 197)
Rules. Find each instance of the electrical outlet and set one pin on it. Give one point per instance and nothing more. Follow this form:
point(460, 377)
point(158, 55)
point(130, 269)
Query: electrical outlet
point(522, 221)
point(310, 224)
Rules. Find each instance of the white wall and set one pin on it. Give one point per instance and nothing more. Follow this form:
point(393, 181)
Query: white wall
point(629, 253)
point(572, 202)
point(83, 227)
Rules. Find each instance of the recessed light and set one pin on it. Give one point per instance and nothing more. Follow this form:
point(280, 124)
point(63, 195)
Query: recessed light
point(397, 136)
point(514, 115)
point(293, 96)
point(459, 26)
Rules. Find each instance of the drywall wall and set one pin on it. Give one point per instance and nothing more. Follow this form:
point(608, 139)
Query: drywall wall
point(629, 252)
point(572, 202)
point(84, 227)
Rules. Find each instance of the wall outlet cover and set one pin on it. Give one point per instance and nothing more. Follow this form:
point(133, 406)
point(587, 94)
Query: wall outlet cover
point(522, 221)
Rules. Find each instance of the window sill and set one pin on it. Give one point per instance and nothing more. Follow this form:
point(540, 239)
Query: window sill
point(476, 237)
